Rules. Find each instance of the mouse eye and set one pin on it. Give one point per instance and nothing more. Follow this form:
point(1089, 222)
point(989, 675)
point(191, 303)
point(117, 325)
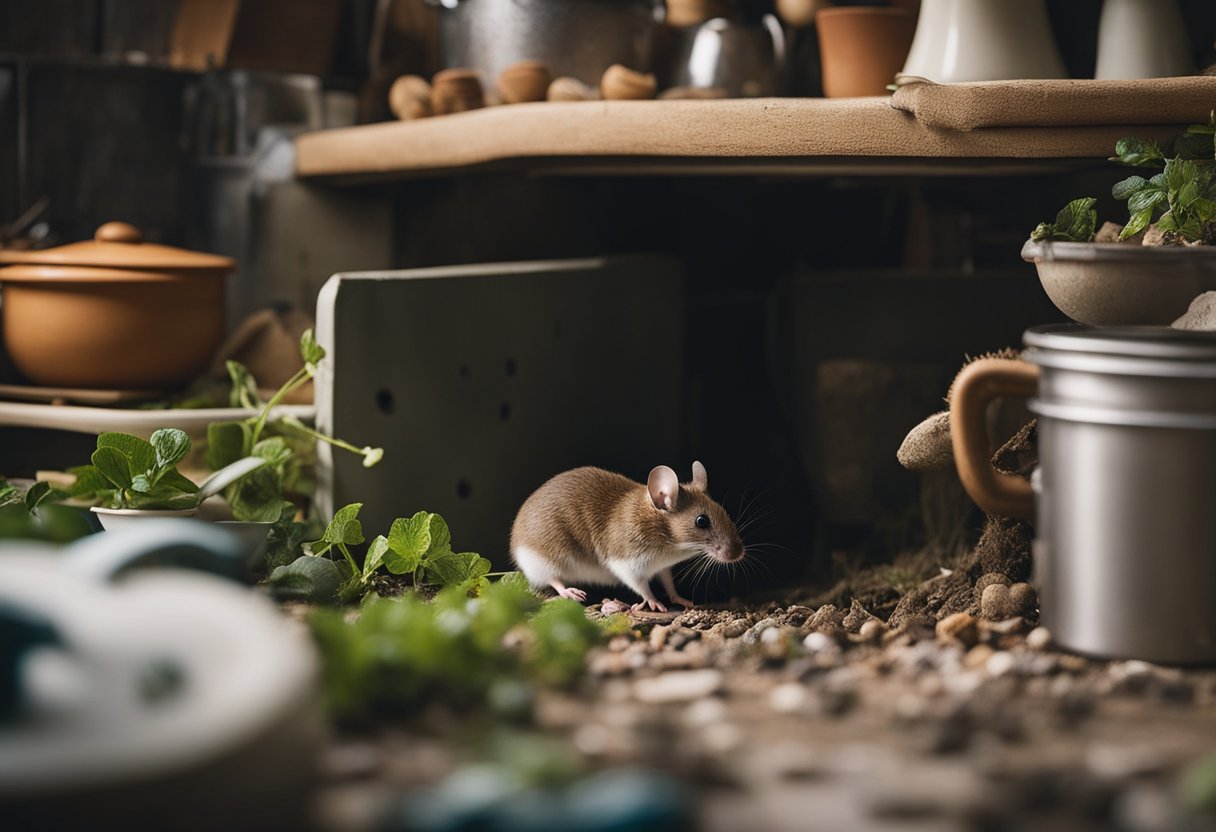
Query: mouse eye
point(702, 521)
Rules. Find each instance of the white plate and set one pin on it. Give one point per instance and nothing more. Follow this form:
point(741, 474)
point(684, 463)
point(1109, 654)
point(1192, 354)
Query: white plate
point(138, 422)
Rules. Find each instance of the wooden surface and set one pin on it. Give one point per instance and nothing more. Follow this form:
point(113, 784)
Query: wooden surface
point(781, 136)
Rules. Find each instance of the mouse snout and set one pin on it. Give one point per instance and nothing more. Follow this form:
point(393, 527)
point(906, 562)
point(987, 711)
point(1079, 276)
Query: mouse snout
point(731, 551)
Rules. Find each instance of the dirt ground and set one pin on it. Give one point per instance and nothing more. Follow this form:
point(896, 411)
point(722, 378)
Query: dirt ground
point(793, 717)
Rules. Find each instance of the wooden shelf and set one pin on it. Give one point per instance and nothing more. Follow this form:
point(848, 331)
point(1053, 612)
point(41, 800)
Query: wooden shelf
point(750, 137)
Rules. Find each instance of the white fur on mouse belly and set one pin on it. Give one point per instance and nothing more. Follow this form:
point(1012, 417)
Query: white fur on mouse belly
point(541, 571)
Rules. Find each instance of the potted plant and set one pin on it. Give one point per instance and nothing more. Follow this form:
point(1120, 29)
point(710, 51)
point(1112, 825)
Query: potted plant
point(1149, 269)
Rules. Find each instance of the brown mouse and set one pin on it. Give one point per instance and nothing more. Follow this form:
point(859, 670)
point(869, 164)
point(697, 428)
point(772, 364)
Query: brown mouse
point(593, 526)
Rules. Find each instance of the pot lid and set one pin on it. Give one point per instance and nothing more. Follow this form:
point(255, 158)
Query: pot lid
point(120, 245)
point(1153, 342)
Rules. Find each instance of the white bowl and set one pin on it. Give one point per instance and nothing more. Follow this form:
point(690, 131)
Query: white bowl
point(253, 534)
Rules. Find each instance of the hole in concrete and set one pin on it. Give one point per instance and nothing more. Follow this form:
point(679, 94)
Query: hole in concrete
point(504, 412)
point(384, 400)
point(464, 371)
point(510, 366)
point(464, 489)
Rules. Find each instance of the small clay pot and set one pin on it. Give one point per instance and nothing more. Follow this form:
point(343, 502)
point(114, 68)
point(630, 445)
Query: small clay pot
point(798, 13)
point(410, 97)
point(571, 89)
point(455, 91)
point(524, 81)
point(693, 94)
point(862, 48)
point(622, 83)
point(113, 312)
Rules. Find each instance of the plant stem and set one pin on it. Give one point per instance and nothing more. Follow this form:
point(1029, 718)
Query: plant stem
point(332, 440)
point(300, 378)
point(350, 559)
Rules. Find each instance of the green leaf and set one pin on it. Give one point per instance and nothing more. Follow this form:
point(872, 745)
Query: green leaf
point(1188, 193)
point(310, 350)
point(451, 568)
point(1167, 222)
point(1149, 198)
point(141, 484)
point(1196, 143)
point(1075, 222)
point(226, 443)
point(1137, 152)
point(345, 527)
point(114, 465)
point(375, 556)
point(1178, 172)
point(176, 479)
point(162, 497)
point(274, 450)
point(1125, 188)
point(10, 495)
point(244, 387)
point(310, 579)
point(89, 480)
point(140, 452)
point(409, 539)
point(1137, 223)
point(171, 446)
point(258, 495)
point(38, 492)
point(515, 580)
point(441, 535)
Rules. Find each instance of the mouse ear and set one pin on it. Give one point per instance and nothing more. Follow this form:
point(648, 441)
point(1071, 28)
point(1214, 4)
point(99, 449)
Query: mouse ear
point(664, 487)
point(700, 479)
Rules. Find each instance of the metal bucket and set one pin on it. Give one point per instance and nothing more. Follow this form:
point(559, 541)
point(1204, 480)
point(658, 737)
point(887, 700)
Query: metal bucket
point(1124, 499)
point(579, 38)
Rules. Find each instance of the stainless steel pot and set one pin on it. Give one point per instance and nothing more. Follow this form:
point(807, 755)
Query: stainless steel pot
point(579, 38)
point(742, 58)
point(1124, 497)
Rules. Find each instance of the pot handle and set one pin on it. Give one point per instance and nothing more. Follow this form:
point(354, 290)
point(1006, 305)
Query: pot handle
point(1004, 495)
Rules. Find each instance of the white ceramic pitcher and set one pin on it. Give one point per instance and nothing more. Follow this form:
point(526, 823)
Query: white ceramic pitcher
point(983, 40)
point(1142, 39)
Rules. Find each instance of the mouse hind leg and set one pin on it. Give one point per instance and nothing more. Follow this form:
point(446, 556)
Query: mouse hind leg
point(541, 571)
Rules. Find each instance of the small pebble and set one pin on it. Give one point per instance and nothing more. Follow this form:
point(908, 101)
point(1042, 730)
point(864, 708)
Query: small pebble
point(611, 606)
point(1000, 663)
point(789, 698)
point(960, 627)
point(999, 602)
point(735, 628)
point(1039, 638)
point(658, 636)
point(872, 631)
point(752, 636)
point(704, 712)
point(678, 686)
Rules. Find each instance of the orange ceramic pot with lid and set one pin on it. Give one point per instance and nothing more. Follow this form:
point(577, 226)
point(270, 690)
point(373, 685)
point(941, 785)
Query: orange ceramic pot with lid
point(112, 312)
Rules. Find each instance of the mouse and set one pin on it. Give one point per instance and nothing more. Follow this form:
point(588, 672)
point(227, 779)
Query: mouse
point(592, 526)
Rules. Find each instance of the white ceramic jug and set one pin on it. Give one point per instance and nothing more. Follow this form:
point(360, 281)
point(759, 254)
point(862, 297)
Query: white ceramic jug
point(1142, 39)
point(983, 40)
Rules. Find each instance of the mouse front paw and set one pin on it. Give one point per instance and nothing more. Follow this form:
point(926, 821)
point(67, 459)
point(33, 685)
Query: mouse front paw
point(573, 594)
point(641, 606)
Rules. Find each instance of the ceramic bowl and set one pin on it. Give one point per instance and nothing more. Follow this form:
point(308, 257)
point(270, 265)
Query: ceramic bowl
point(112, 312)
point(1117, 284)
point(252, 534)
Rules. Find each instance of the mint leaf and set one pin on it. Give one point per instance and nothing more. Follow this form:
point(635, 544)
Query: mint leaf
point(258, 496)
point(114, 465)
point(345, 527)
point(306, 579)
point(1137, 152)
point(1137, 223)
point(140, 452)
point(451, 568)
point(176, 479)
point(226, 443)
point(38, 492)
point(171, 446)
point(515, 580)
point(1075, 223)
point(89, 480)
point(1148, 198)
point(375, 556)
point(310, 350)
point(244, 391)
point(441, 535)
point(1125, 188)
point(274, 450)
point(141, 484)
point(409, 539)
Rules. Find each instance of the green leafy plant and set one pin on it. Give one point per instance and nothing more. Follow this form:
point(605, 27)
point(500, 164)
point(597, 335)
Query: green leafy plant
point(401, 654)
point(1075, 223)
point(130, 472)
point(32, 514)
point(1181, 199)
point(283, 441)
point(419, 546)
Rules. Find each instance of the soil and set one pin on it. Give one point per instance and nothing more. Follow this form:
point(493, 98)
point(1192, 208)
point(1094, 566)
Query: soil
point(788, 716)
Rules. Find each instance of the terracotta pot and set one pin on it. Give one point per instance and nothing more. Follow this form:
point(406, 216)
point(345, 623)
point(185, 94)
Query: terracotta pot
point(862, 48)
point(113, 312)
